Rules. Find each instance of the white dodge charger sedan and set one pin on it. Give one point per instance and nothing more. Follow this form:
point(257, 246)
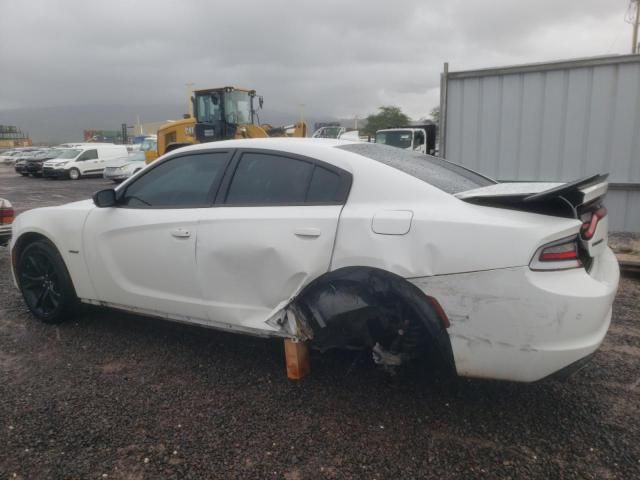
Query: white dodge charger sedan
point(341, 244)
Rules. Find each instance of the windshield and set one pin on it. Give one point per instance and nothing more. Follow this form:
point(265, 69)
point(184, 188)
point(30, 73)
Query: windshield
point(237, 107)
point(395, 138)
point(71, 153)
point(446, 176)
point(328, 132)
point(148, 144)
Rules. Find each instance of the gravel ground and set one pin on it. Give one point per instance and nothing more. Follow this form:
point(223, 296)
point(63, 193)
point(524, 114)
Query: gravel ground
point(111, 395)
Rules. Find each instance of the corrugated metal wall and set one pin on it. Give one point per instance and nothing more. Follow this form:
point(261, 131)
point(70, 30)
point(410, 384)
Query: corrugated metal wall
point(556, 122)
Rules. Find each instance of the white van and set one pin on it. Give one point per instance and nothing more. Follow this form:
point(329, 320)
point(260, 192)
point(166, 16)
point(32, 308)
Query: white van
point(82, 144)
point(82, 161)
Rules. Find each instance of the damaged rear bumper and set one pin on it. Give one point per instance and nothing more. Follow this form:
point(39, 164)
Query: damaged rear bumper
point(520, 325)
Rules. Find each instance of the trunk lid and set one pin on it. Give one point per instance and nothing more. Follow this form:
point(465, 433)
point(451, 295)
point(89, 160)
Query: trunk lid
point(581, 199)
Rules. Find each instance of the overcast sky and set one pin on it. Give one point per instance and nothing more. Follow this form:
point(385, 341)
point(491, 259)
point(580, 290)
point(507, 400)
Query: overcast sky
point(338, 58)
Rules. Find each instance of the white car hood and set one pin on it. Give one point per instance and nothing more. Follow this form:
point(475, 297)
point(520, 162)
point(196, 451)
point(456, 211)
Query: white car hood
point(80, 204)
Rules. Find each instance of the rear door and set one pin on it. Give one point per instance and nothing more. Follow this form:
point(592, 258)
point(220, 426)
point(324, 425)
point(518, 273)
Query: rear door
point(271, 232)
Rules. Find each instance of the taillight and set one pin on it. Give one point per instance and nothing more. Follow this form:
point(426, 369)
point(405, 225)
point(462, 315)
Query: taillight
point(6, 215)
point(559, 255)
point(589, 227)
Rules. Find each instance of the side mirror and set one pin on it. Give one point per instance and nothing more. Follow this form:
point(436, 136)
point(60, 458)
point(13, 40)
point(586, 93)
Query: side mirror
point(260, 101)
point(214, 99)
point(105, 198)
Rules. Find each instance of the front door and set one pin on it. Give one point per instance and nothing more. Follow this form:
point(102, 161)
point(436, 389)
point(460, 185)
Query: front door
point(141, 253)
point(88, 162)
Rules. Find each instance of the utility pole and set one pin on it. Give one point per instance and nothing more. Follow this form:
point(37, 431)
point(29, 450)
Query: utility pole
point(634, 44)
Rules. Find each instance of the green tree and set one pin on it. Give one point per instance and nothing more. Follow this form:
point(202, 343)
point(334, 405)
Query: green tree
point(387, 117)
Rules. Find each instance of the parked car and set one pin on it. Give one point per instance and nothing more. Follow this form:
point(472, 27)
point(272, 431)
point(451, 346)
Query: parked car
point(32, 163)
point(83, 161)
point(9, 156)
point(20, 161)
point(342, 244)
point(122, 168)
point(20, 165)
point(6, 219)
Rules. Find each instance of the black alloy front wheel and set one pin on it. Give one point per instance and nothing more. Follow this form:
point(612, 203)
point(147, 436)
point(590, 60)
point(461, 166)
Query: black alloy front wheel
point(45, 283)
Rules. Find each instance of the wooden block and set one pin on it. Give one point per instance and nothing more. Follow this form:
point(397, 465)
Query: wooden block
point(297, 358)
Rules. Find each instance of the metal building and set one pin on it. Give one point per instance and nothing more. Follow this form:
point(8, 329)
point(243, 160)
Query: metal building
point(555, 121)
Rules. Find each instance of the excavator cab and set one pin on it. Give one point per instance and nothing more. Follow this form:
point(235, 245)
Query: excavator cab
point(222, 113)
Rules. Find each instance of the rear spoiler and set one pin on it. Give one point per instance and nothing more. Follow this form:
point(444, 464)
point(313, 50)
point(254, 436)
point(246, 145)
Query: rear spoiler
point(578, 192)
point(549, 198)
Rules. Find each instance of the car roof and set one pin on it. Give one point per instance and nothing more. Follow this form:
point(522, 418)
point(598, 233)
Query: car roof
point(319, 148)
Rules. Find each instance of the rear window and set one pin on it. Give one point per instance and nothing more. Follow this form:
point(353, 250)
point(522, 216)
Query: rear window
point(262, 179)
point(440, 173)
point(325, 186)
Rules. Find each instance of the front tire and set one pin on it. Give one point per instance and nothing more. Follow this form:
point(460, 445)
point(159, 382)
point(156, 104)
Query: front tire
point(45, 282)
point(74, 174)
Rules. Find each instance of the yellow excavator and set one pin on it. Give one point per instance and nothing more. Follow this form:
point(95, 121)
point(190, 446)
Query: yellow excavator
point(220, 114)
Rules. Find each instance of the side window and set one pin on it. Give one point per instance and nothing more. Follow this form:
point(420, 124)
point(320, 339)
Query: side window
point(88, 155)
point(325, 187)
point(183, 182)
point(266, 179)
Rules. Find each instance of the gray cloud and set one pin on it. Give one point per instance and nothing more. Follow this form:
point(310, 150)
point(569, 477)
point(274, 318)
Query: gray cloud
point(337, 58)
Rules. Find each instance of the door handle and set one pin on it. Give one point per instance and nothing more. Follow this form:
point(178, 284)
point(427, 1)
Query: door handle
point(307, 232)
point(180, 233)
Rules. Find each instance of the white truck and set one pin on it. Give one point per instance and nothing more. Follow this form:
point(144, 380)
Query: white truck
point(417, 138)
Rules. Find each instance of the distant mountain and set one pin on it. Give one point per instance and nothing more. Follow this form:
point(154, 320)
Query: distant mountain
point(53, 125)
point(66, 123)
